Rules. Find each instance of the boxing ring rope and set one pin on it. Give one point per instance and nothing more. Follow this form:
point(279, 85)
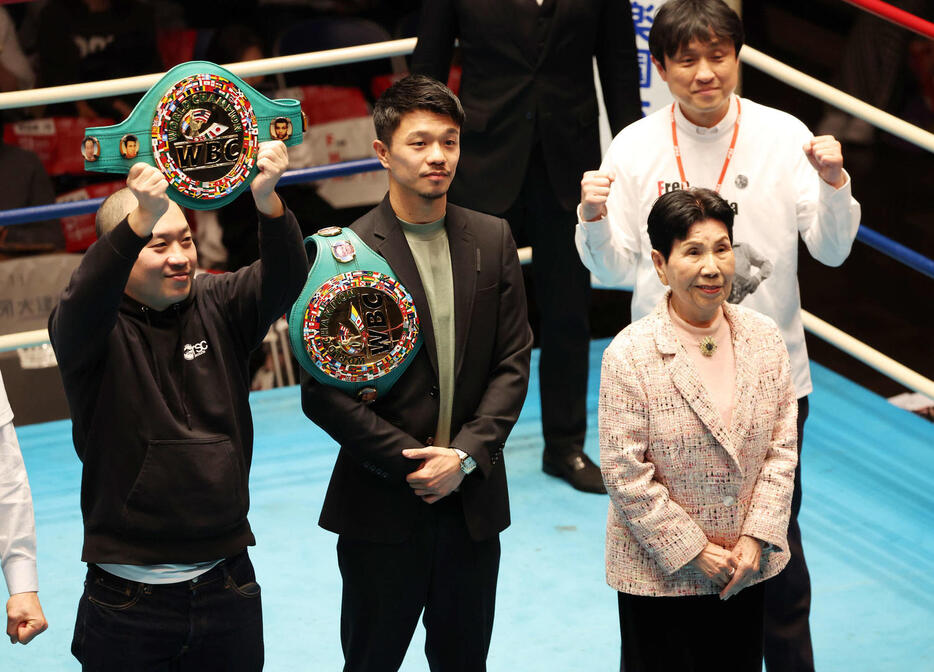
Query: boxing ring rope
point(753, 57)
point(836, 97)
point(265, 66)
point(320, 59)
point(896, 15)
point(867, 355)
point(887, 246)
point(37, 213)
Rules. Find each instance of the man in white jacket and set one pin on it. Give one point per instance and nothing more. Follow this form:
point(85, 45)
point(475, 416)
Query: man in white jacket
point(779, 180)
point(24, 617)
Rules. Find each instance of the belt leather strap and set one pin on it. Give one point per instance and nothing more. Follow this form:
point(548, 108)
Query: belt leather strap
point(201, 125)
point(354, 326)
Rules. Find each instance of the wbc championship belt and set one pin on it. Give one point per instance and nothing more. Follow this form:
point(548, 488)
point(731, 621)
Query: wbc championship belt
point(200, 125)
point(354, 326)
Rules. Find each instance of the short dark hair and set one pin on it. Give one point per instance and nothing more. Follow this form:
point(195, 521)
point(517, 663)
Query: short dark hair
point(112, 211)
point(131, 138)
point(414, 92)
point(674, 213)
point(680, 21)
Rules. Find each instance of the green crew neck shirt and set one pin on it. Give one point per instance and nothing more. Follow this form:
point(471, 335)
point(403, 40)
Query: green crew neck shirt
point(429, 246)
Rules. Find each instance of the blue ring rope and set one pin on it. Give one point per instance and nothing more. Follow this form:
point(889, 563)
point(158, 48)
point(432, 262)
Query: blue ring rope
point(896, 251)
point(875, 240)
point(39, 213)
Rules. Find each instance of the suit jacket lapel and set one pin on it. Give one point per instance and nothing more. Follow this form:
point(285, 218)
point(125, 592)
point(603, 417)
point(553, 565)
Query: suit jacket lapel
point(555, 21)
point(686, 379)
point(465, 265)
point(394, 248)
point(524, 19)
point(747, 374)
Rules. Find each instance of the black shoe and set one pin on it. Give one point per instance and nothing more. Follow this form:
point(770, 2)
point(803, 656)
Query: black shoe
point(575, 468)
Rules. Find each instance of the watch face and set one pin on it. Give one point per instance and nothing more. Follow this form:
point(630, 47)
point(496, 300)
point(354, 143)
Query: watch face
point(359, 326)
point(468, 464)
point(204, 137)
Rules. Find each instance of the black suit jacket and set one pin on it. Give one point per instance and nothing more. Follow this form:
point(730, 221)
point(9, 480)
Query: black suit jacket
point(368, 496)
point(520, 84)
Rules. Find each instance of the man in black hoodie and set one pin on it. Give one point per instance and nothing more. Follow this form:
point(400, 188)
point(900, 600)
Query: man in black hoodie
point(154, 363)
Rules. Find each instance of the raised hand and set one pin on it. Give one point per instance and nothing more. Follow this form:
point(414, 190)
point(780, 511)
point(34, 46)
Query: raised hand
point(272, 161)
point(595, 187)
point(149, 187)
point(826, 155)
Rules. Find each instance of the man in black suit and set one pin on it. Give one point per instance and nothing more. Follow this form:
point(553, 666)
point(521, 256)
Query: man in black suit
point(531, 129)
point(418, 493)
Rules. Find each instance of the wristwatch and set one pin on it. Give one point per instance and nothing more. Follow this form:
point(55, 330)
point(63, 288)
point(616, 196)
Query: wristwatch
point(468, 464)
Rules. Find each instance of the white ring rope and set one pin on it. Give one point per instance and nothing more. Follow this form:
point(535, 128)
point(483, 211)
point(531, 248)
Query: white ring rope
point(753, 57)
point(869, 356)
point(264, 66)
point(24, 339)
point(852, 346)
point(838, 98)
point(366, 52)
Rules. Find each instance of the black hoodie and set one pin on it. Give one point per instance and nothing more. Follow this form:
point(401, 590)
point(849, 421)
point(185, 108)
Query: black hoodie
point(160, 400)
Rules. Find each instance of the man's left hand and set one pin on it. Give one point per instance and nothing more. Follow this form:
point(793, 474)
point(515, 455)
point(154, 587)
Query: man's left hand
point(439, 474)
point(826, 155)
point(24, 618)
point(272, 161)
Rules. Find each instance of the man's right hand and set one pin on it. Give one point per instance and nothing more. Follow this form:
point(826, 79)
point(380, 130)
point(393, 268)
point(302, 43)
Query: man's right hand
point(148, 186)
point(595, 187)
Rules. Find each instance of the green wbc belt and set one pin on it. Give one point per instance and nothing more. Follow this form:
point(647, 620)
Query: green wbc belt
point(354, 326)
point(201, 125)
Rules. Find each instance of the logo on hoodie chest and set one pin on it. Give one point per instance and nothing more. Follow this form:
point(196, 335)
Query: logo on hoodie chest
point(192, 350)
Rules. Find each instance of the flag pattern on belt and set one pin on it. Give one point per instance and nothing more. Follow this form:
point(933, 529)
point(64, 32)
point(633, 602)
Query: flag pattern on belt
point(321, 306)
point(161, 147)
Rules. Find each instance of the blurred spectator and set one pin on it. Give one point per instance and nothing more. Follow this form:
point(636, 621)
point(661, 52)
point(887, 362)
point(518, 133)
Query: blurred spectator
point(24, 183)
point(236, 43)
point(15, 71)
point(91, 40)
point(872, 69)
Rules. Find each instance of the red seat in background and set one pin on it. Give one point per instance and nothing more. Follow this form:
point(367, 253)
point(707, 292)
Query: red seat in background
point(57, 141)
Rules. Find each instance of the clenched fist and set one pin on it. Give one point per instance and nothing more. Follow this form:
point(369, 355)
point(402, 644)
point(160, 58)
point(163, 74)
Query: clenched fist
point(595, 188)
point(826, 155)
point(272, 161)
point(149, 187)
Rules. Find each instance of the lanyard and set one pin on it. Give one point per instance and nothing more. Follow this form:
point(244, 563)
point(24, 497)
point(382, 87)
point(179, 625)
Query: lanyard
point(729, 152)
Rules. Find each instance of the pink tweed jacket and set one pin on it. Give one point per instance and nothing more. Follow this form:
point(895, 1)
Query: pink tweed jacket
point(676, 475)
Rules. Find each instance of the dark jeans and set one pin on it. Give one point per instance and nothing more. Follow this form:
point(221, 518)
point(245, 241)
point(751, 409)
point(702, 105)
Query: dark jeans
point(561, 287)
point(694, 633)
point(788, 595)
point(440, 570)
point(213, 623)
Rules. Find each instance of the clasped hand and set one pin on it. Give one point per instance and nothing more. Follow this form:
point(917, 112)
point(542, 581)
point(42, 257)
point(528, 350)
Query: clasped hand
point(731, 569)
point(439, 474)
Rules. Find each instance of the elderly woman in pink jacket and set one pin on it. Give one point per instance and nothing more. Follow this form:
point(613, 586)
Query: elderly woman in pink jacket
point(697, 447)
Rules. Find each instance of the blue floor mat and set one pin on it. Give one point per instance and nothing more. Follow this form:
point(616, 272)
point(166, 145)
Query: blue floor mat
point(867, 521)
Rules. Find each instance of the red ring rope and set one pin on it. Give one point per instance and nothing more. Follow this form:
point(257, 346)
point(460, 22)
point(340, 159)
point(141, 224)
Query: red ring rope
point(895, 15)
